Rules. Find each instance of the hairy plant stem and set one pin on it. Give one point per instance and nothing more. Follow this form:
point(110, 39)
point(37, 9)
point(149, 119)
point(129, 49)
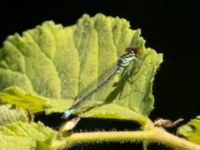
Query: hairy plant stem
point(154, 134)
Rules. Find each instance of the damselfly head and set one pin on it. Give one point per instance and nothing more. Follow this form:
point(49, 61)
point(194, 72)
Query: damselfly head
point(132, 50)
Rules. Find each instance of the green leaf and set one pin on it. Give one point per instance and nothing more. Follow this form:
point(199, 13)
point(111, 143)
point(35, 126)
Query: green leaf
point(41, 61)
point(26, 136)
point(191, 130)
point(117, 112)
point(18, 143)
point(9, 114)
point(59, 62)
point(35, 103)
point(17, 133)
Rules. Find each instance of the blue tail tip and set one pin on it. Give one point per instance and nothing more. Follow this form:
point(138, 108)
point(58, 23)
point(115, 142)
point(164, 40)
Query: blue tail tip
point(67, 113)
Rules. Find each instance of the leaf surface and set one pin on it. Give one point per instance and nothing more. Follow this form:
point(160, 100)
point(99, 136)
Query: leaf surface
point(10, 114)
point(17, 133)
point(58, 63)
point(32, 101)
point(191, 130)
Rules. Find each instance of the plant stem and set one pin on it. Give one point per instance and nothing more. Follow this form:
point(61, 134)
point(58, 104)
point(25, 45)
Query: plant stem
point(155, 134)
point(145, 145)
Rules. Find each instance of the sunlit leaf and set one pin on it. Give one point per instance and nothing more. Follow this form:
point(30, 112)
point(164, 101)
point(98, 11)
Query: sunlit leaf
point(10, 114)
point(57, 63)
point(35, 103)
point(21, 135)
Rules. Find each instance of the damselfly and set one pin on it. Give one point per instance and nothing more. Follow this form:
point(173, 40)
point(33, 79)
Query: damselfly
point(124, 61)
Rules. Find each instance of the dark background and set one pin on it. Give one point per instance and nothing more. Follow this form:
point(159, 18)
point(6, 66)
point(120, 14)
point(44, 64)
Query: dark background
point(170, 28)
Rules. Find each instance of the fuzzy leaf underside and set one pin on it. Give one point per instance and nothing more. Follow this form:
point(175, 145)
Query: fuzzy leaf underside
point(57, 63)
point(26, 136)
point(9, 114)
point(17, 133)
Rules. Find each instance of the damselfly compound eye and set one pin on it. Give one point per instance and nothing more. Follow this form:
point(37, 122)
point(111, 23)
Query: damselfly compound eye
point(132, 50)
